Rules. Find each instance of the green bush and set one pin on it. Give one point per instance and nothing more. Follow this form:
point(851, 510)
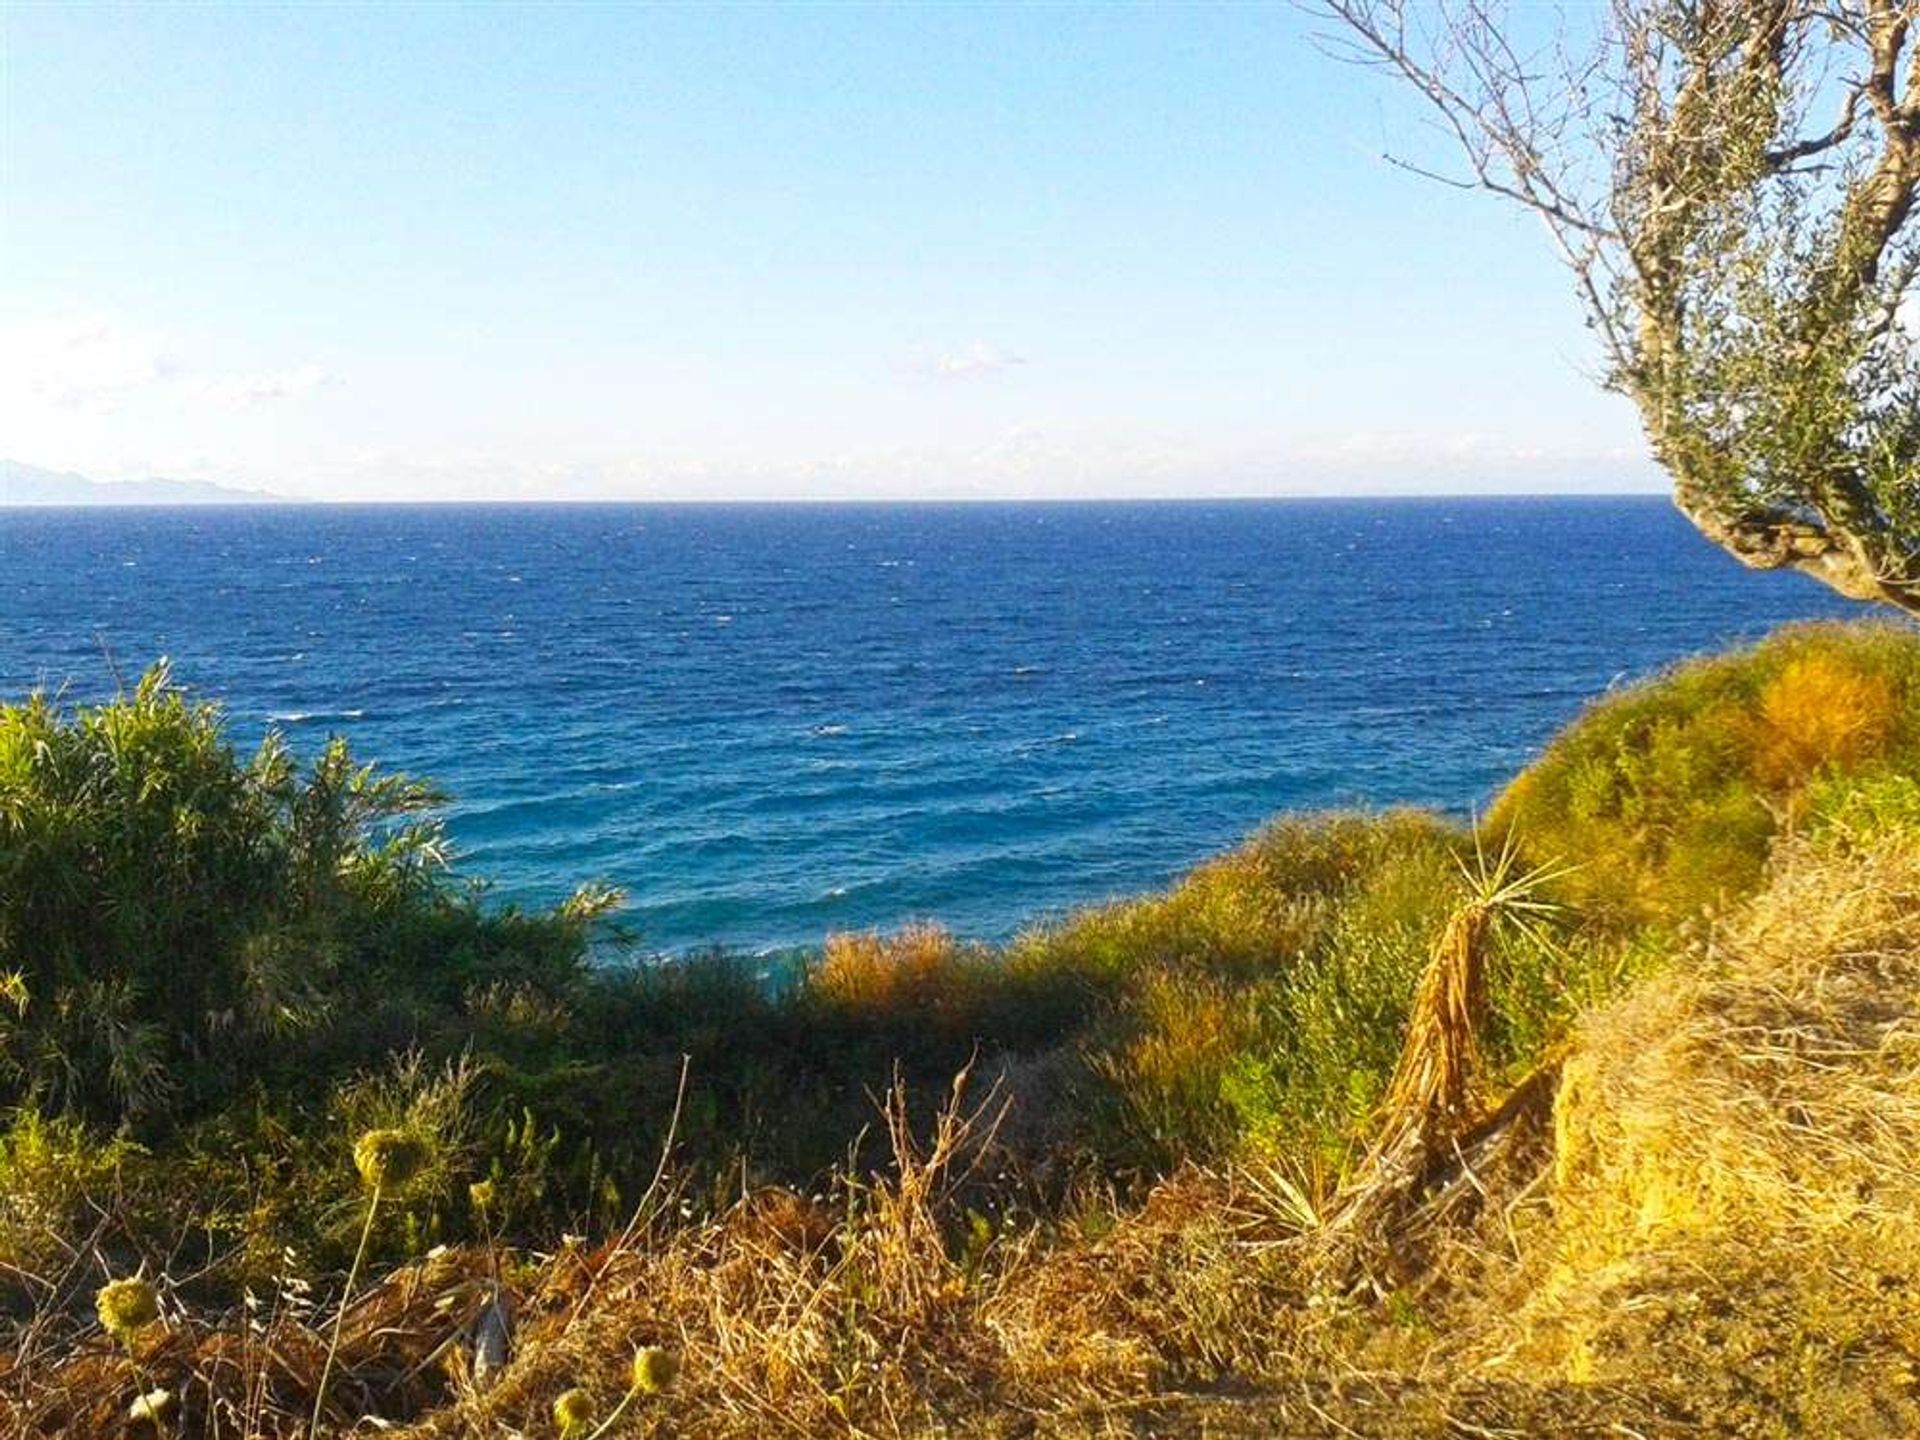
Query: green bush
point(182, 924)
point(1669, 796)
point(56, 1177)
point(1259, 1002)
point(1857, 809)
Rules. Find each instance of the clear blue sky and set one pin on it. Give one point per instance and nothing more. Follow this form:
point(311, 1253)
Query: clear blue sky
point(703, 252)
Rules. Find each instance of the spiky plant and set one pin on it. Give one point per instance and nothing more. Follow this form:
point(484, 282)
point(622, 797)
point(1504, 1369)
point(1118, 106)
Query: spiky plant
point(1430, 1097)
point(1432, 1085)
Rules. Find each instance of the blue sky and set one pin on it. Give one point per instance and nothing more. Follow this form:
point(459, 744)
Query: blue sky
point(761, 252)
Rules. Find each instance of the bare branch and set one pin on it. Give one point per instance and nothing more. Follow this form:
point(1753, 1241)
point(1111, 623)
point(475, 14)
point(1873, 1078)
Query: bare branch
point(1789, 155)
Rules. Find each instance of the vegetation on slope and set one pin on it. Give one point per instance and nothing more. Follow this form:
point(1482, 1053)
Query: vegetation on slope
point(1172, 1164)
point(1671, 794)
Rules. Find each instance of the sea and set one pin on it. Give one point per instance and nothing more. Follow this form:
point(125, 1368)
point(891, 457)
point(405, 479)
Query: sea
point(768, 723)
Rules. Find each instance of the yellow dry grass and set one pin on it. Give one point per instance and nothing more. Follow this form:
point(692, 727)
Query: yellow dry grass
point(884, 973)
point(1775, 1087)
point(1735, 1203)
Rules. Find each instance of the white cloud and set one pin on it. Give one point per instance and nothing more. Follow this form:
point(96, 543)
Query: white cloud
point(967, 363)
point(95, 363)
point(258, 389)
point(1467, 450)
point(84, 362)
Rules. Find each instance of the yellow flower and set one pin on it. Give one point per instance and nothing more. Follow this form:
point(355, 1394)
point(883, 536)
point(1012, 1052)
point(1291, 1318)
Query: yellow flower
point(573, 1412)
point(126, 1307)
point(654, 1369)
point(480, 1194)
point(387, 1159)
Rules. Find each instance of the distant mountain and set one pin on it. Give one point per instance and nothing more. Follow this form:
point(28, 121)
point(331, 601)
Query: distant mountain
point(30, 485)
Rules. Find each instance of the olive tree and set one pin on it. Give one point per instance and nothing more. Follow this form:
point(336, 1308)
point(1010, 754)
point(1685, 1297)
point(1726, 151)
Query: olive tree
point(1730, 183)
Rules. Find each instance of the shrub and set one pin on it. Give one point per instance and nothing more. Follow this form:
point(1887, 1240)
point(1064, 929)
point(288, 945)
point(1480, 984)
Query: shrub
point(918, 971)
point(1669, 795)
point(183, 924)
point(1267, 986)
point(1855, 810)
point(54, 1174)
point(1822, 711)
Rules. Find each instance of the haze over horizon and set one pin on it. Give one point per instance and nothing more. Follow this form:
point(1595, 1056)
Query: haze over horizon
point(705, 254)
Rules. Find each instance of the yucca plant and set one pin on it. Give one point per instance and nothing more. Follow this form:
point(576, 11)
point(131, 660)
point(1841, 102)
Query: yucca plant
point(1440, 1058)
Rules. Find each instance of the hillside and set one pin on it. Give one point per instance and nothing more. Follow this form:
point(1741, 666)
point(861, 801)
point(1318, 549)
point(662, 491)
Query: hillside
point(1598, 1123)
point(30, 485)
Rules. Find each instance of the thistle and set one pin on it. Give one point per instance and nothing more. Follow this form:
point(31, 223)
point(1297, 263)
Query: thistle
point(572, 1412)
point(126, 1307)
point(654, 1369)
point(386, 1160)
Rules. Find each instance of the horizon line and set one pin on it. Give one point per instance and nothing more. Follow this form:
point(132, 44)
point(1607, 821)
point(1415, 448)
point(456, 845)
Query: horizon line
point(263, 501)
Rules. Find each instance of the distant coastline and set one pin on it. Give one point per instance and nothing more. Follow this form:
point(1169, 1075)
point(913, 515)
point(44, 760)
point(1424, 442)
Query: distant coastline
point(32, 487)
point(25, 486)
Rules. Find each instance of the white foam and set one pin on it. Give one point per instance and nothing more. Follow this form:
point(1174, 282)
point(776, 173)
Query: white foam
point(303, 717)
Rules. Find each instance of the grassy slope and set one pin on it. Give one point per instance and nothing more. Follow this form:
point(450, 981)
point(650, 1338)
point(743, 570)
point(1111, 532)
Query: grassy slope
point(1707, 1227)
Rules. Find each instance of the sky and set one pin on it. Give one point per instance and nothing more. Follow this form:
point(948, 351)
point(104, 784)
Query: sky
point(381, 252)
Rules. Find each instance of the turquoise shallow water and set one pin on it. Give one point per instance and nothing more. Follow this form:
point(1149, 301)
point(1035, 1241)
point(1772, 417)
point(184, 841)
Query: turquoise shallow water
point(769, 722)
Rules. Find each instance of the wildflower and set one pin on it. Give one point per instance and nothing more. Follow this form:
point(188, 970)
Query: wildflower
point(387, 1159)
point(573, 1412)
point(127, 1307)
point(654, 1369)
point(480, 1195)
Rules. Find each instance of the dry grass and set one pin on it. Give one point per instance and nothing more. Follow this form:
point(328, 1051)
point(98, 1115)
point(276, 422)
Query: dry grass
point(254, 1373)
point(1778, 1085)
point(916, 970)
point(1735, 1204)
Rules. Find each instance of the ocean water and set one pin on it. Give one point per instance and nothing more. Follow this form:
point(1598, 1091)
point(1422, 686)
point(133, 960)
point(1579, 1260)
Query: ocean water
point(767, 723)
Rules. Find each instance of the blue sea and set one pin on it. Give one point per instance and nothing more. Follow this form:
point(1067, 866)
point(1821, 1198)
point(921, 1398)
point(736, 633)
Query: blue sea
point(767, 723)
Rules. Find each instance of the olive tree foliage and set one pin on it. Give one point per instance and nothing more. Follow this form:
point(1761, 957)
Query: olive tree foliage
point(1730, 183)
